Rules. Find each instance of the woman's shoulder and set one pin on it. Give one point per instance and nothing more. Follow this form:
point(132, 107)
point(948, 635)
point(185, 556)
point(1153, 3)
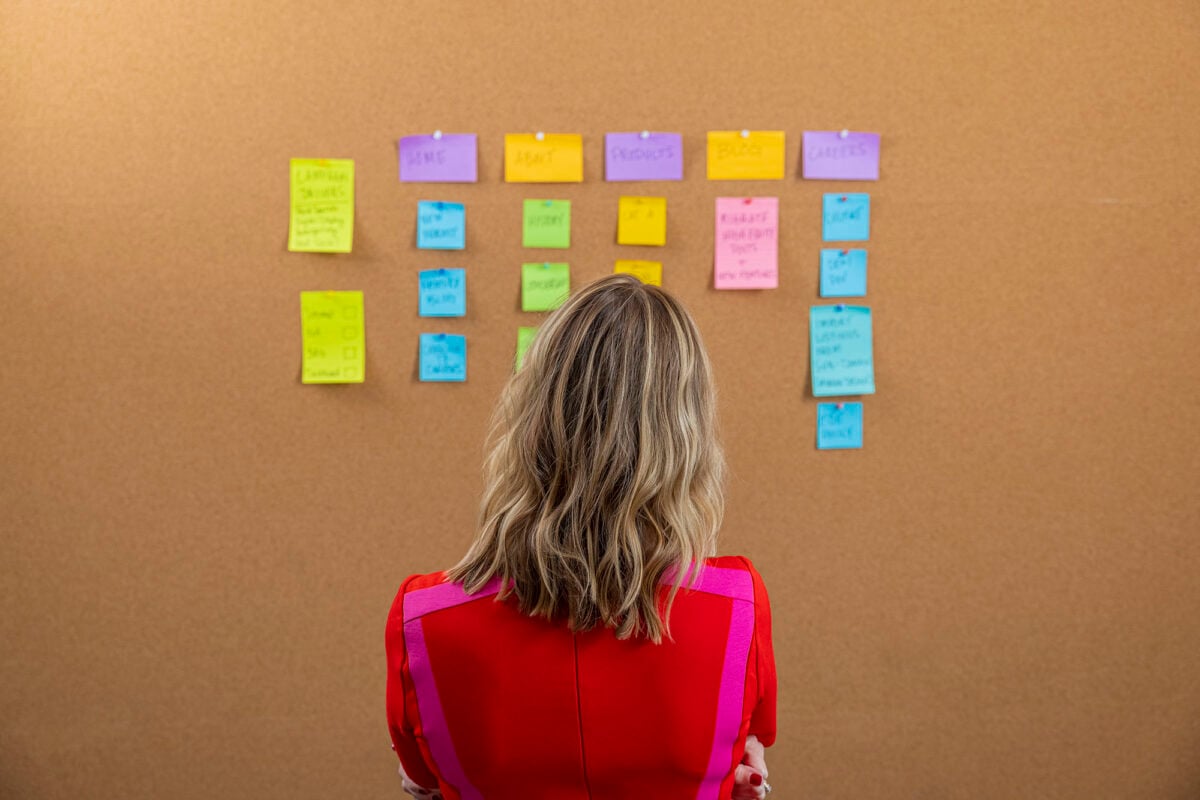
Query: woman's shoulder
point(735, 571)
point(414, 583)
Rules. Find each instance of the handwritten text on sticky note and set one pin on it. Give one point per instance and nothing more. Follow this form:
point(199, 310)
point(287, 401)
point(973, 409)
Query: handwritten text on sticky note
point(322, 218)
point(839, 426)
point(441, 226)
point(546, 223)
point(747, 243)
point(555, 158)
point(443, 357)
point(843, 360)
point(642, 220)
point(333, 337)
point(843, 273)
point(544, 286)
point(643, 157)
point(443, 292)
point(450, 158)
point(846, 218)
point(525, 336)
point(830, 156)
point(759, 155)
point(645, 271)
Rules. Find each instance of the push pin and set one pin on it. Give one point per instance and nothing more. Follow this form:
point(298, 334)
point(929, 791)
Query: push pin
point(540, 136)
point(645, 134)
point(844, 133)
point(841, 406)
point(437, 136)
point(841, 306)
point(545, 265)
point(748, 200)
point(845, 252)
point(745, 134)
point(843, 199)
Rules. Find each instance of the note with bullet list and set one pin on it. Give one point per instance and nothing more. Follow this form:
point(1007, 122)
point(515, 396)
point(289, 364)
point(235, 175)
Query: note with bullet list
point(645, 271)
point(554, 158)
point(843, 360)
point(759, 155)
point(333, 340)
point(546, 223)
point(642, 220)
point(747, 243)
point(448, 158)
point(322, 205)
point(443, 357)
point(441, 226)
point(843, 273)
point(839, 426)
point(544, 286)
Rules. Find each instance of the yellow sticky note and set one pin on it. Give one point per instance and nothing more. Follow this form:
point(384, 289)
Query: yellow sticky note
point(757, 155)
point(322, 205)
point(645, 271)
point(642, 220)
point(554, 158)
point(335, 349)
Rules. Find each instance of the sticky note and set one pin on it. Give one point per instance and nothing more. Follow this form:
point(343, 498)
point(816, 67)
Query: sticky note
point(839, 426)
point(829, 156)
point(441, 226)
point(843, 361)
point(843, 273)
point(322, 219)
point(333, 337)
point(645, 271)
point(547, 223)
point(443, 292)
point(759, 155)
point(846, 218)
point(642, 220)
point(524, 340)
point(544, 286)
point(443, 357)
point(555, 158)
point(747, 243)
point(643, 157)
point(450, 158)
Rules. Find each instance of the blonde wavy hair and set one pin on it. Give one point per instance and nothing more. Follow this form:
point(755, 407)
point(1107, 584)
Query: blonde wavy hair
point(603, 472)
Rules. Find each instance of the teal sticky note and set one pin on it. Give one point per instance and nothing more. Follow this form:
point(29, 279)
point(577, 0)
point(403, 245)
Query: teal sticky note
point(443, 357)
point(843, 273)
point(441, 226)
point(843, 360)
point(547, 223)
point(443, 292)
point(839, 426)
point(847, 218)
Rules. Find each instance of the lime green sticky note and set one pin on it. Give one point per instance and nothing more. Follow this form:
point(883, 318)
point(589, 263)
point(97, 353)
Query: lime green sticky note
point(547, 223)
point(322, 205)
point(335, 349)
point(524, 339)
point(544, 286)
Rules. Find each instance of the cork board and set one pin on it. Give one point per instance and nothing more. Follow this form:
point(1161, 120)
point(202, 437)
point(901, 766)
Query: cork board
point(995, 598)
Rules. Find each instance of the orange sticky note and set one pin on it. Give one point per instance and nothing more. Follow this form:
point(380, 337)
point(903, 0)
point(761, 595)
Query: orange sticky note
point(645, 271)
point(746, 155)
point(552, 158)
point(642, 220)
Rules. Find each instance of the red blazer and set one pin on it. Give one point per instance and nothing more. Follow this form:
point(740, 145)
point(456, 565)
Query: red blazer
point(486, 702)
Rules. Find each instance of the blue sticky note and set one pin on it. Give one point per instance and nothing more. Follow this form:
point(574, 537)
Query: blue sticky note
point(843, 360)
point(443, 292)
point(843, 273)
point(839, 426)
point(443, 357)
point(847, 218)
point(441, 226)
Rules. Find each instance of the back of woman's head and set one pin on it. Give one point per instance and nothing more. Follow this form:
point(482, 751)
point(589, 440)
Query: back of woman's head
point(603, 472)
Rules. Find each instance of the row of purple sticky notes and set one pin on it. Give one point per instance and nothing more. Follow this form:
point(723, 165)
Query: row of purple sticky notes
point(645, 156)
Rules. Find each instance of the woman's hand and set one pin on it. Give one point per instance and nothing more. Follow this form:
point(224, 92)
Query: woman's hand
point(750, 777)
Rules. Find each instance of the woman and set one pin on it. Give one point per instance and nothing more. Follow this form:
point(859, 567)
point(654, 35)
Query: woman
point(588, 645)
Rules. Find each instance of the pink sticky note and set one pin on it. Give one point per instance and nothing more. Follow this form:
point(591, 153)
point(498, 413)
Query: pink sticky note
point(440, 158)
point(828, 155)
point(747, 247)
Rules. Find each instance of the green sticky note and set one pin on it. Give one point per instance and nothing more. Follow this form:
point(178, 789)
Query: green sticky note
point(322, 219)
point(547, 224)
point(544, 285)
point(524, 340)
point(334, 342)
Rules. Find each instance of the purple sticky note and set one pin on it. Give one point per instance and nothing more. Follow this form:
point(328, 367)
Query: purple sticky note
point(841, 156)
point(440, 158)
point(643, 156)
